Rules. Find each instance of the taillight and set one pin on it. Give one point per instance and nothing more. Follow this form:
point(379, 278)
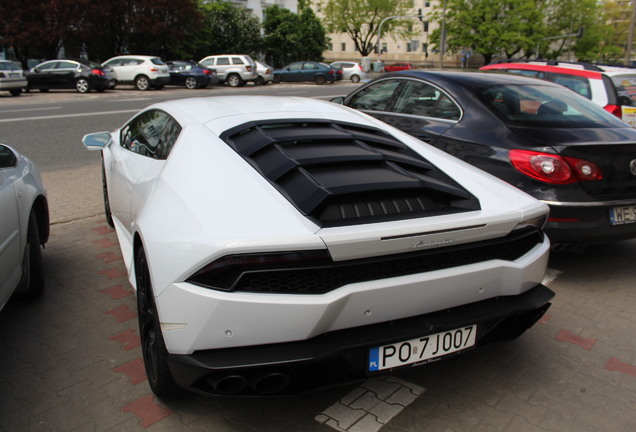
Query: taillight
point(98, 72)
point(331, 71)
point(206, 72)
point(360, 67)
point(248, 68)
point(614, 109)
point(223, 273)
point(153, 69)
point(555, 169)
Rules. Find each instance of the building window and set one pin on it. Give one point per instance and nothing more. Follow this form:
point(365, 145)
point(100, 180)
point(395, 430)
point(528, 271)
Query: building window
point(343, 46)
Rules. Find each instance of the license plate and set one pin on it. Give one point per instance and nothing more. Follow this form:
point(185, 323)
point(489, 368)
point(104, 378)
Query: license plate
point(421, 350)
point(623, 215)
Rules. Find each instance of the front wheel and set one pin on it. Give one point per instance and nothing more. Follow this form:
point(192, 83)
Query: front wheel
point(355, 78)
point(82, 86)
point(142, 83)
point(153, 347)
point(31, 285)
point(191, 83)
point(277, 79)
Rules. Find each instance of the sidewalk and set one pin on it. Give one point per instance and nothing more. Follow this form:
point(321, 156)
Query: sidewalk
point(71, 361)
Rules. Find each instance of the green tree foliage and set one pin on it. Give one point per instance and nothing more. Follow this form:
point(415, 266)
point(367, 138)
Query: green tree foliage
point(489, 27)
point(289, 37)
point(360, 19)
point(228, 30)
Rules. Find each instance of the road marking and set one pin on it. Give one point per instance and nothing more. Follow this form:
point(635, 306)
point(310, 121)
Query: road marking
point(127, 100)
point(550, 275)
point(370, 406)
point(68, 115)
point(30, 109)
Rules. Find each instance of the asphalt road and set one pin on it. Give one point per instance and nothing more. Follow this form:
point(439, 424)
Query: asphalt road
point(48, 127)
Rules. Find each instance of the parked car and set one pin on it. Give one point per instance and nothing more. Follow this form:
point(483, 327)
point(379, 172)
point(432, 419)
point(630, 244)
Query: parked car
point(398, 67)
point(265, 74)
point(81, 75)
point(320, 73)
point(611, 87)
point(538, 136)
point(11, 78)
point(235, 69)
point(24, 228)
point(326, 241)
point(190, 74)
point(351, 71)
point(144, 72)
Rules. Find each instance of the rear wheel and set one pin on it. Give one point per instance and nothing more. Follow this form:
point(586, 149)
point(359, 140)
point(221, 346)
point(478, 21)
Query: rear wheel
point(355, 78)
point(234, 80)
point(191, 83)
point(142, 83)
point(31, 285)
point(260, 81)
point(320, 80)
point(15, 92)
point(153, 347)
point(82, 86)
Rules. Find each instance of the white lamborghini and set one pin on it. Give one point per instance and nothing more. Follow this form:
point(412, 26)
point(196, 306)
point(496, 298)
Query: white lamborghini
point(282, 244)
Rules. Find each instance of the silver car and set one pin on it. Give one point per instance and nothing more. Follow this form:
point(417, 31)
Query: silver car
point(350, 70)
point(265, 74)
point(24, 226)
point(235, 69)
point(11, 78)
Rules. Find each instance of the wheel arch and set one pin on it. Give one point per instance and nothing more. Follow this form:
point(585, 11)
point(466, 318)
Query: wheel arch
point(41, 209)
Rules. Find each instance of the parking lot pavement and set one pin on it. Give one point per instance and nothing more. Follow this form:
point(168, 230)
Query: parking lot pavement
point(71, 361)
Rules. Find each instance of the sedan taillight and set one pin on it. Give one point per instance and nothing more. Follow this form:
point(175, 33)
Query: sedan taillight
point(554, 169)
point(98, 72)
point(248, 68)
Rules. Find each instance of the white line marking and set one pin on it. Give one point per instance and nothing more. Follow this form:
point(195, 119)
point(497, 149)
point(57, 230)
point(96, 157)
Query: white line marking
point(68, 115)
point(30, 109)
point(370, 406)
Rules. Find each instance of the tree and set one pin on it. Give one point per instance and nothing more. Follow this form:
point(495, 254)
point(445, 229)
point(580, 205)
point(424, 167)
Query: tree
point(228, 29)
point(289, 37)
point(360, 19)
point(489, 27)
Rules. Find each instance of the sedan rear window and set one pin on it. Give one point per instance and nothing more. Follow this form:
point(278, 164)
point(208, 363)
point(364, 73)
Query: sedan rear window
point(547, 106)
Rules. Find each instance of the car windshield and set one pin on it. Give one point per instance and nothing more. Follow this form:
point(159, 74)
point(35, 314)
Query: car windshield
point(8, 66)
point(547, 106)
point(625, 88)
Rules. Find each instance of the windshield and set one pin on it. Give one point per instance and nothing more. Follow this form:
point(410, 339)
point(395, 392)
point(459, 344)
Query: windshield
point(625, 88)
point(6, 65)
point(545, 106)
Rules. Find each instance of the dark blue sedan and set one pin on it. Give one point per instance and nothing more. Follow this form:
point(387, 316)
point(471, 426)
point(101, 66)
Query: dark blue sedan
point(320, 73)
point(190, 74)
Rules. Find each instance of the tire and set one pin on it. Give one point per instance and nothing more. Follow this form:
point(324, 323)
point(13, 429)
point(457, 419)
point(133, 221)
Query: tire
point(320, 80)
point(158, 87)
point(100, 89)
point(277, 79)
point(191, 83)
point(44, 90)
point(260, 81)
point(107, 212)
point(82, 86)
point(153, 346)
point(142, 83)
point(355, 78)
point(31, 285)
point(15, 92)
point(234, 80)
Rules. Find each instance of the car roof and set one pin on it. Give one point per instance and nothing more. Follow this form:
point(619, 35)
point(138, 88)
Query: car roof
point(471, 79)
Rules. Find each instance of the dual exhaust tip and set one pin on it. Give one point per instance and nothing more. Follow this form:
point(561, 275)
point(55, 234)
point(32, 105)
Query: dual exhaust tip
point(269, 383)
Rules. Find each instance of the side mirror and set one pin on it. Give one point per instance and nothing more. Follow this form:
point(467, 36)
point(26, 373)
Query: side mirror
point(97, 140)
point(338, 100)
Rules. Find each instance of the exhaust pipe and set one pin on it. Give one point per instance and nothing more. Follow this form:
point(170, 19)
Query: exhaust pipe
point(229, 385)
point(270, 383)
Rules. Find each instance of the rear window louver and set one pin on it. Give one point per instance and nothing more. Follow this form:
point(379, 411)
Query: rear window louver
point(341, 174)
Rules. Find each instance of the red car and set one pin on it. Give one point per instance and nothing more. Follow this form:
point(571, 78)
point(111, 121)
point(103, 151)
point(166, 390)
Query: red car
point(398, 67)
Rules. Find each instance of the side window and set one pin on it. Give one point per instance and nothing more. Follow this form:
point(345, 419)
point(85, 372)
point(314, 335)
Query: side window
point(528, 73)
point(47, 66)
point(237, 60)
point(421, 99)
point(295, 66)
point(578, 84)
point(222, 61)
point(66, 65)
point(376, 97)
point(7, 158)
point(151, 134)
point(208, 62)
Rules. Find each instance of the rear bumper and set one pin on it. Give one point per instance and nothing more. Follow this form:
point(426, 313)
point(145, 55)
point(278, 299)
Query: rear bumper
point(587, 224)
point(342, 356)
